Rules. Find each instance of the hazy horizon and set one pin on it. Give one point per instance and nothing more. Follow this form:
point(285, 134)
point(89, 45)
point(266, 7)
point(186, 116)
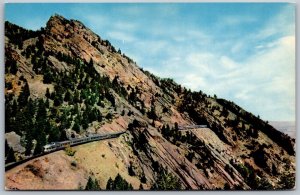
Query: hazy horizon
point(288, 127)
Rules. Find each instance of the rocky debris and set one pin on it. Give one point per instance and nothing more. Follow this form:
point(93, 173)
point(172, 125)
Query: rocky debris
point(38, 88)
point(221, 154)
point(14, 141)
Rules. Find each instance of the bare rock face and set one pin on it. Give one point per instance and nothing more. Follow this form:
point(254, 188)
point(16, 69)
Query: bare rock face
point(14, 141)
point(75, 39)
point(236, 151)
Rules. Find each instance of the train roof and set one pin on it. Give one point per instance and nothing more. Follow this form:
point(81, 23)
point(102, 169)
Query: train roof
point(62, 142)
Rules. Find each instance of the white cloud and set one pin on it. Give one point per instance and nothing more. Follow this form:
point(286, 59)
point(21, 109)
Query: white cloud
point(279, 25)
point(121, 36)
point(193, 81)
point(252, 69)
point(268, 79)
point(228, 63)
point(125, 26)
point(202, 61)
point(264, 83)
point(243, 95)
point(234, 20)
point(237, 47)
point(152, 47)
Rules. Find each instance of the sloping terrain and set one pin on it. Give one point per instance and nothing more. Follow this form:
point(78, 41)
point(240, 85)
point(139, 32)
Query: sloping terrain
point(65, 81)
point(48, 172)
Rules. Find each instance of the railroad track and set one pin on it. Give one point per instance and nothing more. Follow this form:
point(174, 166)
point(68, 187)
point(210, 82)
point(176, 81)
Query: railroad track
point(183, 128)
point(56, 146)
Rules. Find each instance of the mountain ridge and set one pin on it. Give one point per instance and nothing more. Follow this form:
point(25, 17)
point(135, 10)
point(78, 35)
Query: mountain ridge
point(82, 84)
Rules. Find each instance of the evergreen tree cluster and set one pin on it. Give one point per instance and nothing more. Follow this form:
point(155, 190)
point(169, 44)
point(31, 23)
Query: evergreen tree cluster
point(9, 154)
point(17, 34)
point(92, 185)
point(288, 181)
point(118, 184)
point(166, 181)
point(173, 135)
point(10, 65)
point(250, 176)
point(75, 102)
point(280, 138)
point(30, 118)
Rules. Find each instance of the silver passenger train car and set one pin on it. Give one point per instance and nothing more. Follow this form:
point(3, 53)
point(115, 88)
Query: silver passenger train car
point(72, 142)
point(191, 127)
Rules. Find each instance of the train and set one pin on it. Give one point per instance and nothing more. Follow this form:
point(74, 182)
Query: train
point(191, 127)
point(76, 141)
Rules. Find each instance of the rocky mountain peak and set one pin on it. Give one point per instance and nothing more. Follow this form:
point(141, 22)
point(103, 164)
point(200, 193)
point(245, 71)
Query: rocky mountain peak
point(57, 25)
point(56, 20)
point(56, 17)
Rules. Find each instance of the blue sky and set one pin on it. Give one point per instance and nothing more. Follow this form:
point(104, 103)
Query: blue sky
point(244, 52)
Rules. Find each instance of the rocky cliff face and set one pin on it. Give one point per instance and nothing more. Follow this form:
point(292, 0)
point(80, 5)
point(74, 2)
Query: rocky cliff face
point(69, 82)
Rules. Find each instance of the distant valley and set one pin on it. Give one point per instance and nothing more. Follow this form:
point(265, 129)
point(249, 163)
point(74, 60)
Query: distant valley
point(288, 127)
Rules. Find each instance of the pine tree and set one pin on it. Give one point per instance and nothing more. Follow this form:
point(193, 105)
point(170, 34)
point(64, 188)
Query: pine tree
point(109, 185)
point(28, 145)
point(20, 123)
point(48, 95)
point(143, 178)
point(6, 147)
point(41, 125)
point(76, 98)
point(13, 67)
point(264, 184)
point(176, 126)
point(9, 153)
point(10, 156)
point(9, 117)
point(130, 170)
point(30, 109)
point(63, 135)
point(92, 184)
point(54, 134)
point(41, 141)
point(25, 119)
point(141, 187)
point(57, 101)
point(67, 96)
point(76, 126)
point(152, 113)
point(23, 97)
point(48, 77)
point(166, 181)
point(118, 184)
point(226, 186)
point(47, 103)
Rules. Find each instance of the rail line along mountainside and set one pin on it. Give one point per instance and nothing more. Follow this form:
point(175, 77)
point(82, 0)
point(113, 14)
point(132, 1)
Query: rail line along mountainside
point(53, 146)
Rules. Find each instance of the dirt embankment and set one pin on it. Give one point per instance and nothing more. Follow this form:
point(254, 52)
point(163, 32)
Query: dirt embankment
point(53, 171)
